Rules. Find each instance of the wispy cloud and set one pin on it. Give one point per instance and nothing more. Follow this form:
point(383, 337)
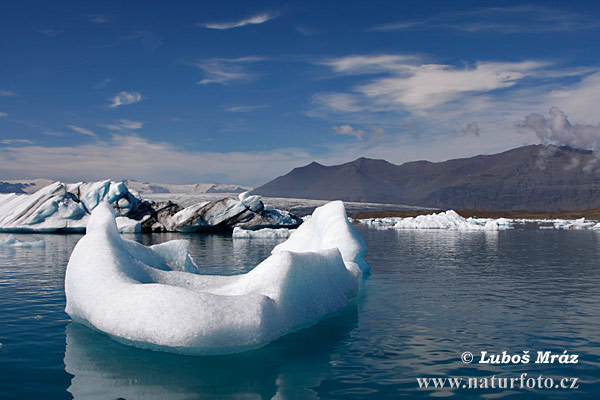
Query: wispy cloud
point(16, 142)
point(226, 70)
point(53, 133)
point(371, 64)
point(402, 81)
point(124, 98)
point(100, 19)
point(50, 32)
point(123, 125)
point(3, 114)
point(337, 102)
point(254, 20)
point(81, 130)
point(502, 20)
point(372, 131)
point(103, 84)
point(7, 93)
point(244, 108)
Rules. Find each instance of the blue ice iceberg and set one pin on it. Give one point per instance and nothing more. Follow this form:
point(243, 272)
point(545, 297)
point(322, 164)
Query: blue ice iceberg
point(154, 297)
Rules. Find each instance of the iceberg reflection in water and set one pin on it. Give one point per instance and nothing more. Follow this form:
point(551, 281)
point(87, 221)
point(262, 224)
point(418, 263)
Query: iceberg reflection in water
point(286, 368)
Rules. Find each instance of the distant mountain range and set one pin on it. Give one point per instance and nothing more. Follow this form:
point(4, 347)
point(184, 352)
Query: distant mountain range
point(33, 185)
point(196, 188)
point(528, 178)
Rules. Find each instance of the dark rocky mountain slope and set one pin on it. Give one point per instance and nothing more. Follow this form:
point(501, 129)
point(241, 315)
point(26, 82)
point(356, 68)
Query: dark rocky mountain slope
point(532, 177)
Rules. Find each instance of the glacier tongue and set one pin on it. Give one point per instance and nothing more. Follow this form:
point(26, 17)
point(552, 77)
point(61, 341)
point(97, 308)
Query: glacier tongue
point(154, 297)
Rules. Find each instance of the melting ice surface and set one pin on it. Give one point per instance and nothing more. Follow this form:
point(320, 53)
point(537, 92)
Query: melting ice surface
point(155, 297)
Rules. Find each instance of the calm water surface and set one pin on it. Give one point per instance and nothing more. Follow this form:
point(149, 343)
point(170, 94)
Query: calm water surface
point(432, 295)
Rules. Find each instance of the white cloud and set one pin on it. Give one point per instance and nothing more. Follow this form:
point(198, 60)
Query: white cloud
point(373, 132)
point(429, 85)
point(16, 142)
point(254, 20)
point(123, 125)
point(503, 20)
point(244, 108)
point(349, 131)
point(130, 156)
point(366, 64)
point(337, 102)
point(226, 70)
point(7, 93)
point(83, 131)
point(402, 82)
point(53, 133)
point(103, 84)
point(3, 114)
point(124, 98)
point(557, 129)
point(579, 100)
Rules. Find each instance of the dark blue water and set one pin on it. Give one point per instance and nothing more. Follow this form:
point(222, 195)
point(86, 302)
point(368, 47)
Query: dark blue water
point(432, 295)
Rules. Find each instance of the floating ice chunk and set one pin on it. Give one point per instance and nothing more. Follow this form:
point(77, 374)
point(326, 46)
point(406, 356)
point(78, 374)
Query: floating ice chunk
point(152, 297)
point(128, 225)
point(329, 228)
point(580, 223)
point(265, 233)
point(12, 241)
point(445, 220)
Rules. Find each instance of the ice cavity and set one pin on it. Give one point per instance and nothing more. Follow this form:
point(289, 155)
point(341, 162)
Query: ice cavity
point(154, 297)
point(450, 220)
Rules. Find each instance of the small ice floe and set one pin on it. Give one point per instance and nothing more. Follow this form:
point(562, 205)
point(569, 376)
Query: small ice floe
point(449, 220)
point(580, 223)
point(155, 297)
point(265, 233)
point(12, 241)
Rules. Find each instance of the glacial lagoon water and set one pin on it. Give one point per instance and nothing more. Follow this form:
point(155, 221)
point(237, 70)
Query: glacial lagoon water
point(431, 296)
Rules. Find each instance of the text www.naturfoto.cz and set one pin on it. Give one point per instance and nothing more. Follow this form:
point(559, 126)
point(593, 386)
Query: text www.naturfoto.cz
point(494, 382)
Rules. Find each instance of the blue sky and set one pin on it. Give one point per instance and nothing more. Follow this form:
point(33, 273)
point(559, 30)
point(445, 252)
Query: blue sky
point(241, 92)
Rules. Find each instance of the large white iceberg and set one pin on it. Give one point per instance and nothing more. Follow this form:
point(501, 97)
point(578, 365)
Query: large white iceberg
point(154, 297)
point(63, 207)
point(450, 220)
point(67, 207)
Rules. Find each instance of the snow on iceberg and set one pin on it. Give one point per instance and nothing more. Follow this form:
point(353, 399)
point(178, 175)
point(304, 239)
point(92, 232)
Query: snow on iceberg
point(450, 220)
point(153, 297)
point(265, 233)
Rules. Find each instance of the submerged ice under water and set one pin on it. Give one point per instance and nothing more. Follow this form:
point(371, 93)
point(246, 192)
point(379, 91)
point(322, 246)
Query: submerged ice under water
point(431, 295)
